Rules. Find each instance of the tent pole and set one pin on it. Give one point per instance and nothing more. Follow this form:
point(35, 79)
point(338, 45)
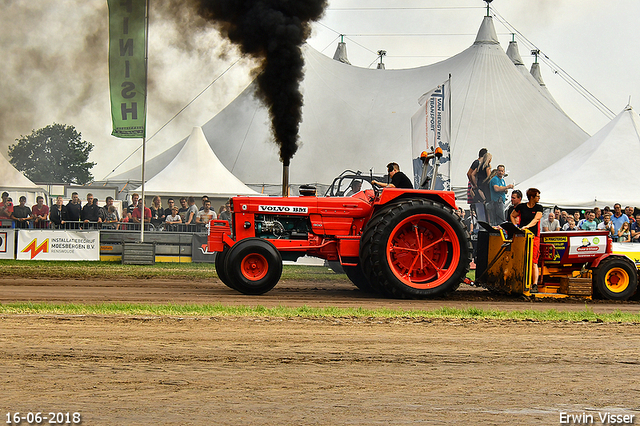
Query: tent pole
point(144, 138)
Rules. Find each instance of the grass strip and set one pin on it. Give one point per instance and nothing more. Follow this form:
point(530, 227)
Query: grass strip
point(218, 310)
point(83, 270)
point(115, 270)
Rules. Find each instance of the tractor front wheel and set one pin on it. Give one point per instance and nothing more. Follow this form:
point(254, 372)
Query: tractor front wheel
point(253, 266)
point(415, 248)
point(616, 278)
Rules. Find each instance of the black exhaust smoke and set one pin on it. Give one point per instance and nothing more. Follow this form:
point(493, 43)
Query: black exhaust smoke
point(272, 31)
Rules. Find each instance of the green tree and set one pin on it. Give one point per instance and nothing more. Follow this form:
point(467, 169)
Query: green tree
point(55, 153)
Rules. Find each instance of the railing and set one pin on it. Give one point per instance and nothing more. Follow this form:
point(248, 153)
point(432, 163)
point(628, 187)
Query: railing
point(112, 226)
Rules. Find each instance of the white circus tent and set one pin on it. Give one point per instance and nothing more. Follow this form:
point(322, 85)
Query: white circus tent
point(195, 171)
point(534, 76)
point(16, 184)
point(597, 172)
point(356, 118)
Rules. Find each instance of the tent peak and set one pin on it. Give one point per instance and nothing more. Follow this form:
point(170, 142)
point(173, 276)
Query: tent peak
point(487, 32)
point(536, 73)
point(514, 53)
point(341, 53)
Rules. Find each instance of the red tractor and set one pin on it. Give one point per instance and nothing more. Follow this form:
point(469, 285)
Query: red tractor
point(401, 243)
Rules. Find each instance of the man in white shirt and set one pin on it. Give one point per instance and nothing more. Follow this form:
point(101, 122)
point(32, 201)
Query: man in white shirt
point(206, 214)
point(551, 224)
point(607, 224)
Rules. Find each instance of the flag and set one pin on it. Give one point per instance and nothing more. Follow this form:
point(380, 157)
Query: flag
point(127, 70)
point(430, 129)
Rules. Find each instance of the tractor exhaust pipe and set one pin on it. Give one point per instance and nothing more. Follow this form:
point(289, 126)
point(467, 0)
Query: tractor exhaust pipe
point(285, 180)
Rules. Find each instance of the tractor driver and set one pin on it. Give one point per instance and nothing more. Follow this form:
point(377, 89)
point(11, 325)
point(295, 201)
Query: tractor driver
point(398, 179)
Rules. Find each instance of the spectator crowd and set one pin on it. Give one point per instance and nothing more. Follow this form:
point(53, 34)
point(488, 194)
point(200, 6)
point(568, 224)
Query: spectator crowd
point(187, 217)
point(623, 225)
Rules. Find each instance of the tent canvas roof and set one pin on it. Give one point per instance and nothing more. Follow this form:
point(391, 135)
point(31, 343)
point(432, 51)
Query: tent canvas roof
point(581, 178)
point(196, 170)
point(11, 178)
point(534, 76)
point(356, 118)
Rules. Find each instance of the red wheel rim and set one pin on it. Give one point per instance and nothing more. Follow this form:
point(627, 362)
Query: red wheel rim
point(254, 267)
point(423, 251)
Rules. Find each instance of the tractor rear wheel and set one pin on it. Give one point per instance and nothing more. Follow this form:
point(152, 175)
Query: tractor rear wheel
point(253, 266)
point(357, 277)
point(616, 278)
point(415, 248)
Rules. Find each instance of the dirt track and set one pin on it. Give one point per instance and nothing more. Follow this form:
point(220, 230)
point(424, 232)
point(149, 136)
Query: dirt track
point(123, 370)
point(286, 293)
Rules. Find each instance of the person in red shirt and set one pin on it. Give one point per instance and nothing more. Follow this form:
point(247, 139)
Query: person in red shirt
point(136, 214)
point(6, 206)
point(40, 213)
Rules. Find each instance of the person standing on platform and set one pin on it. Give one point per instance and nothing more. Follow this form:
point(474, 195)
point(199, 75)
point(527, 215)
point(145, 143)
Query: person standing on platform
point(498, 189)
point(530, 214)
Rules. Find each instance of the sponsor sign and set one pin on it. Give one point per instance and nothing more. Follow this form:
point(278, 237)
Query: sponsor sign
point(200, 250)
point(560, 245)
point(127, 69)
point(631, 250)
point(429, 130)
point(58, 245)
point(7, 244)
point(587, 246)
point(282, 209)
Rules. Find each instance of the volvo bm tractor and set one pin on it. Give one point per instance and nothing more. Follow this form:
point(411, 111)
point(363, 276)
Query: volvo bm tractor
point(401, 243)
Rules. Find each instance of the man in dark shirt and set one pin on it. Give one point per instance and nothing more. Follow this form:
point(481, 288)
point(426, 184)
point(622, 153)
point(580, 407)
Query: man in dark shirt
point(516, 198)
point(103, 213)
point(530, 214)
point(22, 214)
point(74, 211)
point(167, 211)
point(398, 179)
point(58, 213)
point(90, 212)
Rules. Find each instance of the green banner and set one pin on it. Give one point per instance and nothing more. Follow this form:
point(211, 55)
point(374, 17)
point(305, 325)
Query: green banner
point(127, 77)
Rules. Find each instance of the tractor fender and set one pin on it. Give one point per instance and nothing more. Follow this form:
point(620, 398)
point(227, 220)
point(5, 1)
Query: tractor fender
point(597, 261)
point(390, 195)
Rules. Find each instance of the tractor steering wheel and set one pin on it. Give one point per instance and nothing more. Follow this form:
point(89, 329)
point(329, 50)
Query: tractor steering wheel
point(377, 189)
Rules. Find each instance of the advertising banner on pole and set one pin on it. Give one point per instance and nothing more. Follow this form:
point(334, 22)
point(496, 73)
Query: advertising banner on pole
point(127, 70)
point(7, 244)
point(58, 245)
point(430, 130)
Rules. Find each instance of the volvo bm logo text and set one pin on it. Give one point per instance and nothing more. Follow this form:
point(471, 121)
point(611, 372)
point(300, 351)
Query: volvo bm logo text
point(282, 209)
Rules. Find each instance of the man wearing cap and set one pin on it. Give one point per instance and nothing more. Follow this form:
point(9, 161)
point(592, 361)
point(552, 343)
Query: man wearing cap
point(398, 179)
